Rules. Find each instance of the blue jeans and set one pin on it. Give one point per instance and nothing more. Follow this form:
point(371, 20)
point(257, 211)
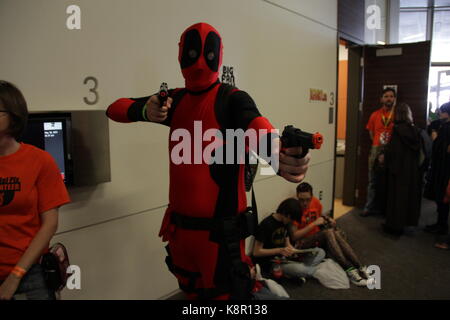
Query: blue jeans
point(370, 204)
point(33, 286)
point(371, 185)
point(305, 268)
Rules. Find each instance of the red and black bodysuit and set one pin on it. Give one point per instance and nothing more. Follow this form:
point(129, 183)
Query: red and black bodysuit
point(202, 196)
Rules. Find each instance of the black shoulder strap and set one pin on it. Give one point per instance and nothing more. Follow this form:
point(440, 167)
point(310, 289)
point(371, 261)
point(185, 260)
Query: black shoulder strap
point(178, 95)
point(223, 116)
point(221, 108)
point(255, 208)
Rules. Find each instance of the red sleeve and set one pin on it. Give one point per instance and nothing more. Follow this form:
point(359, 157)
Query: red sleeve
point(52, 192)
point(371, 124)
point(126, 110)
point(246, 116)
point(265, 134)
point(261, 123)
point(118, 110)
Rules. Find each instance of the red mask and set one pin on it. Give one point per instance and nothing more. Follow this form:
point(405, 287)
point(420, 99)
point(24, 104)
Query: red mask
point(200, 56)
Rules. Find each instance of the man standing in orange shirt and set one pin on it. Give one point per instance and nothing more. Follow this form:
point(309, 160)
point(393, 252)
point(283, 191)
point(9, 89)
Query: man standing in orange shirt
point(380, 125)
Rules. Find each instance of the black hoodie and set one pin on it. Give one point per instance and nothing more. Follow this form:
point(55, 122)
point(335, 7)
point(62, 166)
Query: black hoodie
point(404, 177)
point(440, 163)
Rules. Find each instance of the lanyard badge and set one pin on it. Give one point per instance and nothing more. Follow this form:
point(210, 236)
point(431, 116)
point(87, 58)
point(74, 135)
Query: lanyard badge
point(385, 136)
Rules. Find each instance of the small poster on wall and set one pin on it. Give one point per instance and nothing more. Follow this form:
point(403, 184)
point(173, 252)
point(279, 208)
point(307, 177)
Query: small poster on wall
point(317, 95)
point(393, 86)
point(228, 75)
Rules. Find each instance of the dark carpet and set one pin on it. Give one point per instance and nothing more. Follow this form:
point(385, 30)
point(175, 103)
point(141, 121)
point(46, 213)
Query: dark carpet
point(411, 268)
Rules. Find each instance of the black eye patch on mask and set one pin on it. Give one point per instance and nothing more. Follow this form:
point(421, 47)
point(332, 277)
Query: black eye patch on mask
point(192, 48)
point(212, 51)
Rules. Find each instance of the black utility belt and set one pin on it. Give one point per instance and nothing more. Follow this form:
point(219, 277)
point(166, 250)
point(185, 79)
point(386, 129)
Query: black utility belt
point(245, 223)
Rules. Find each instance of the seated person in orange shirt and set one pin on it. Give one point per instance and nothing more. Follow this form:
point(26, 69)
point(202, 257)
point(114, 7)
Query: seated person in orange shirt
point(316, 230)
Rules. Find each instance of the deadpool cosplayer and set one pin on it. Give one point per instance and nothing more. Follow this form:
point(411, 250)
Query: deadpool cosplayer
point(204, 223)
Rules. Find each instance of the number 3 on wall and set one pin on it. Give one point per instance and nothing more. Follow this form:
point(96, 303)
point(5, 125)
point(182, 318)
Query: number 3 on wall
point(332, 99)
point(93, 90)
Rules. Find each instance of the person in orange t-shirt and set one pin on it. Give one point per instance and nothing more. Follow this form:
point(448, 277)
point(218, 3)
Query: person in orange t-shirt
point(380, 126)
point(31, 191)
point(317, 230)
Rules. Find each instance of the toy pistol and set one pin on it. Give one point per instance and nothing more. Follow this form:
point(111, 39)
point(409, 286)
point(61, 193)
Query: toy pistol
point(163, 93)
point(294, 137)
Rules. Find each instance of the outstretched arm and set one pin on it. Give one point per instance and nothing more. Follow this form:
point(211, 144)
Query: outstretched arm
point(246, 116)
point(126, 110)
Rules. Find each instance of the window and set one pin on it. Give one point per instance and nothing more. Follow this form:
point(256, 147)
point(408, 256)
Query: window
point(413, 26)
point(439, 87)
point(442, 3)
point(421, 20)
point(439, 81)
point(441, 36)
point(413, 21)
point(413, 3)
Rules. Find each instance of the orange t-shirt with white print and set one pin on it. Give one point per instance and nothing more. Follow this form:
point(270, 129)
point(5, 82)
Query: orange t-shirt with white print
point(30, 184)
point(310, 215)
point(381, 124)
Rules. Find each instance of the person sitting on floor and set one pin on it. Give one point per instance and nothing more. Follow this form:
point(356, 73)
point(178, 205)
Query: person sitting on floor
point(313, 229)
point(272, 241)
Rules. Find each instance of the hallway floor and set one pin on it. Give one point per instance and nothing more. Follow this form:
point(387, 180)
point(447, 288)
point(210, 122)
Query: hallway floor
point(340, 209)
point(411, 268)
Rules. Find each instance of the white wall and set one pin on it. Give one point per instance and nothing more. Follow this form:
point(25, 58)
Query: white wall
point(279, 50)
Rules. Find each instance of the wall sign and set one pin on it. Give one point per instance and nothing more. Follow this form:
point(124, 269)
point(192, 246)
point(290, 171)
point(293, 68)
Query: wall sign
point(93, 90)
point(317, 95)
point(391, 86)
point(228, 75)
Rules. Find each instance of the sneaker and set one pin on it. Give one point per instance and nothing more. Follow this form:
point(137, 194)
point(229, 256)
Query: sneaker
point(442, 245)
point(364, 272)
point(301, 281)
point(356, 279)
point(371, 281)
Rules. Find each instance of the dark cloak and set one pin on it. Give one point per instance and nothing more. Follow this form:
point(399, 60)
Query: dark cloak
point(440, 165)
point(404, 177)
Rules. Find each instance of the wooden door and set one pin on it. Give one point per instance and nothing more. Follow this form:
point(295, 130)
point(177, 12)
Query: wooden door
point(407, 67)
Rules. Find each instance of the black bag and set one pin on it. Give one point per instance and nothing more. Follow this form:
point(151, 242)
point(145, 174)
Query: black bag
point(55, 264)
